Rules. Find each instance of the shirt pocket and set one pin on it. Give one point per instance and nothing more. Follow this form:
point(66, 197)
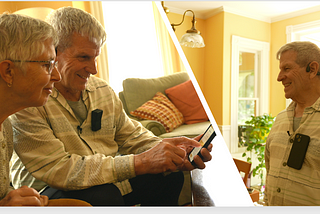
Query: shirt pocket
point(104, 138)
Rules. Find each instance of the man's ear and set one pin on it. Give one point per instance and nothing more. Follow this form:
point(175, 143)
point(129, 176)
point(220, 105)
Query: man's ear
point(7, 71)
point(313, 68)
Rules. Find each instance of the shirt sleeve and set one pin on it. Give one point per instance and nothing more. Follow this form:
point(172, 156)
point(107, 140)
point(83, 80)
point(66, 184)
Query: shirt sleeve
point(53, 153)
point(267, 158)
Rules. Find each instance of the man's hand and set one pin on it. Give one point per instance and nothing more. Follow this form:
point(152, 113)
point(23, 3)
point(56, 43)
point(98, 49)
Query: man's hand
point(205, 152)
point(24, 196)
point(166, 156)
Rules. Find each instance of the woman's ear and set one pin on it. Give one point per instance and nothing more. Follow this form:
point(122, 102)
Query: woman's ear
point(7, 71)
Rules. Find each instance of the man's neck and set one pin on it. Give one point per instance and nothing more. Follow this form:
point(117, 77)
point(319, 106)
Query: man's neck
point(67, 93)
point(300, 106)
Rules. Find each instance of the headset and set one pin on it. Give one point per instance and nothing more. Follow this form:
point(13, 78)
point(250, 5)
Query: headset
point(308, 68)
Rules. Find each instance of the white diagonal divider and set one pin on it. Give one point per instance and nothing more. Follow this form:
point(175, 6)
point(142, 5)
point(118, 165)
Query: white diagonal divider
point(226, 185)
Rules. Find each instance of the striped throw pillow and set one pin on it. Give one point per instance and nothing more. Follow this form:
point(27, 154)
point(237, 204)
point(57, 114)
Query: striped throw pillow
point(161, 109)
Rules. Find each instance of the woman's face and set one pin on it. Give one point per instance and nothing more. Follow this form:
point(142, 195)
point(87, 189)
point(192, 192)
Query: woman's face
point(34, 87)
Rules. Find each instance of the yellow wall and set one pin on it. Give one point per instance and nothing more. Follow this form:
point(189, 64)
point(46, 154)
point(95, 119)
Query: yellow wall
point(279, 38)
point(195, 56)
point(213, 72)
point(12, 6)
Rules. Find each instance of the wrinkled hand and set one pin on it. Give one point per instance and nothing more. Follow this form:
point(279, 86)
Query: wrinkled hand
point(166, 156)
point(24, 196)
point(205, 152)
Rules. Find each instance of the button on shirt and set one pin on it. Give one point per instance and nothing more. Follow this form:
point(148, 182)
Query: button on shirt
point(285, 185)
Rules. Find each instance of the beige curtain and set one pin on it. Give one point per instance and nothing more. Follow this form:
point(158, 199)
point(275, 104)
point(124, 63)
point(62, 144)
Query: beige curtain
point(102, 61)
point(170, 57)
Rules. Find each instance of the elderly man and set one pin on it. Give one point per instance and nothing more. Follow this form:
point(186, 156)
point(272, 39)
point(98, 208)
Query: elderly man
point(292, 149)
point(27, 75)
point(118, 163)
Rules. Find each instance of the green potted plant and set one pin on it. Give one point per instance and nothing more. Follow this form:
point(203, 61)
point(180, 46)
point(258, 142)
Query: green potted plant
point(257, 131)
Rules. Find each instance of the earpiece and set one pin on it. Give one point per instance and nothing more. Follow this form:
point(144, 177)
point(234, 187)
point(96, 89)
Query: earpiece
point(308, 67)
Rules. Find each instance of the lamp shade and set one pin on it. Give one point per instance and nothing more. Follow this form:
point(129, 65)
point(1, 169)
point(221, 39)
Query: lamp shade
point(192, 40)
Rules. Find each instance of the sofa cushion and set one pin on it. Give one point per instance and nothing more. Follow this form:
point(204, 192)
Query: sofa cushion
point(185, 98)
point(191, 130)
point(137, 91)
point(161, 109)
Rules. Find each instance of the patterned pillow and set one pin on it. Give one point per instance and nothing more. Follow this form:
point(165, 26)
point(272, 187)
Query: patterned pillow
point(161, 109)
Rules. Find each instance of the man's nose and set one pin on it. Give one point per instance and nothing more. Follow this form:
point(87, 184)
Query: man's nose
point(280, 76)
point(92, 67)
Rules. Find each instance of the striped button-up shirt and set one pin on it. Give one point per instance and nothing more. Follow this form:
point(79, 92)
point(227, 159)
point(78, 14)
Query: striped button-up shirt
point(286, 185)
point(55, 150)
point(6, 147)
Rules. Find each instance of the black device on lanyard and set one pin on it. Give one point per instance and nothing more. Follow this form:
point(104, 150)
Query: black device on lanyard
point(298, 151)
point(96, 116)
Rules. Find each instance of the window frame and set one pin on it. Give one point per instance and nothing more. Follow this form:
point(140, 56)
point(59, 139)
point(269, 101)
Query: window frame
point(294, 33)
point(240, 44)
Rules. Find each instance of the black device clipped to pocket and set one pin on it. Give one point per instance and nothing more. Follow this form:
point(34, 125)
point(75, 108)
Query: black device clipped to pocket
point(298, 151)
point(96, 116)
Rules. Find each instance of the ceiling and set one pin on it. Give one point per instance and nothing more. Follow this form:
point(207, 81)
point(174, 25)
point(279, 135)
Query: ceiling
point(269, 11)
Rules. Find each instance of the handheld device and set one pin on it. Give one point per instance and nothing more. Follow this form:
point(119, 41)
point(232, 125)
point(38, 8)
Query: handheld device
point(298, 151)
point(205, 140)
point(96, 119)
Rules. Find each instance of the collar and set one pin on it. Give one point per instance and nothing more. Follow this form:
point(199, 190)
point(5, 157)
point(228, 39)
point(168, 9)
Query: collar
point(315, 106)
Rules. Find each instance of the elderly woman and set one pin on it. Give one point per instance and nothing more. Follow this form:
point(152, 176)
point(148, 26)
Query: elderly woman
point(27, 76)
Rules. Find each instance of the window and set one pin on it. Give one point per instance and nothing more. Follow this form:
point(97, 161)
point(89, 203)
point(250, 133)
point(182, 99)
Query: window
point(304, 32)
point(132, 45)
point(247, 87)
point(249, 84)
point(309, 31)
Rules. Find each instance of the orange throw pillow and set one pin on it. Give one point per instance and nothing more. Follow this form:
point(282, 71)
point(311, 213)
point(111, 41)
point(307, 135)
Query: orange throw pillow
point(161, 109)
point(185, 98)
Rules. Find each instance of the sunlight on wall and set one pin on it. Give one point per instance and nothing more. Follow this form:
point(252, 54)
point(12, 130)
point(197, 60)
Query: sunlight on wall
point(36, 12)
point(131, 41)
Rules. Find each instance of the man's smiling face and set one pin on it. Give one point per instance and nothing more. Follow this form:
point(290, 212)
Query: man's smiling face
point(76, 64)
point(293, 77)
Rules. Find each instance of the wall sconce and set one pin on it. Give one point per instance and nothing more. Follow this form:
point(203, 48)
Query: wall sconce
point(192, 38)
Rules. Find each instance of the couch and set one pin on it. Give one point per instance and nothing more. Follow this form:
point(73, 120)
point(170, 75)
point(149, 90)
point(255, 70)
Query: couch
point(137, 91)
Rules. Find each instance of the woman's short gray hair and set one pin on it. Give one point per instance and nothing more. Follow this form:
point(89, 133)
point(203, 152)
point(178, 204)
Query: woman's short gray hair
point(306, 52)
point(68, 20)
point(22, 37)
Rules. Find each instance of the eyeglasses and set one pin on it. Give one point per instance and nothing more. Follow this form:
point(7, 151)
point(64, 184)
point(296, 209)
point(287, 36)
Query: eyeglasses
point(49, 64)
